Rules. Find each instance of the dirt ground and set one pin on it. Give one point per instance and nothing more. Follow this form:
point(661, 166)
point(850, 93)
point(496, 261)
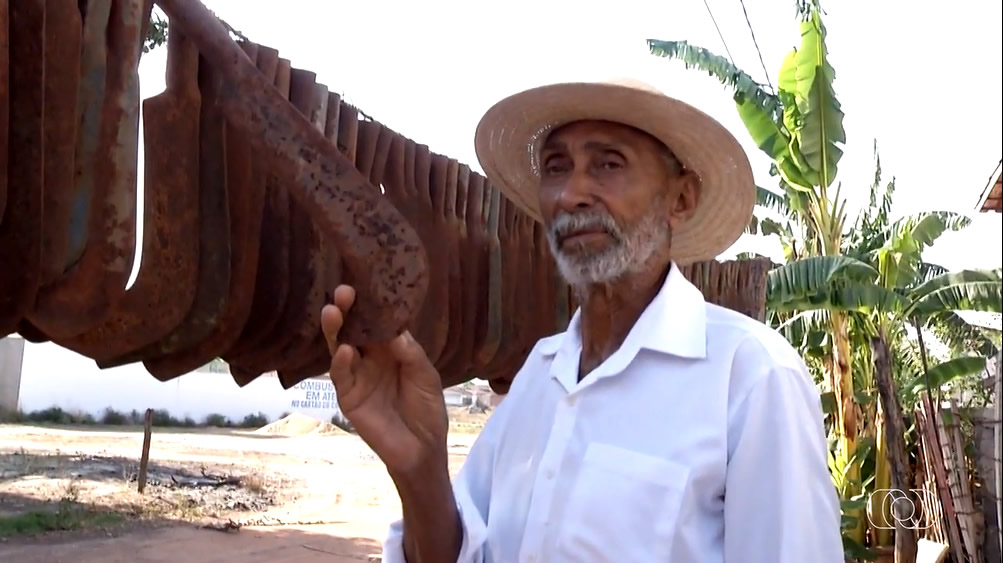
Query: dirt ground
point(69, 494)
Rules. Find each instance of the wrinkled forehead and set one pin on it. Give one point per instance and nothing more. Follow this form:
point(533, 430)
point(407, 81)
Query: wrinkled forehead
point(595, 129)
point(603, 133)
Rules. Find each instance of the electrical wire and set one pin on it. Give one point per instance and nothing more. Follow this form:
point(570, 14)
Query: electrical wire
point(756, 43)
point(719, 34)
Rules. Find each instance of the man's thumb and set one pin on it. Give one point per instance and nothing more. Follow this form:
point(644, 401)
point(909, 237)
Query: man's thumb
point(408, 352)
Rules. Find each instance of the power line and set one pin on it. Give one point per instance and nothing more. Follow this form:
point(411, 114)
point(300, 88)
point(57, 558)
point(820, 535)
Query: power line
point(756, 43)
point(719, 34)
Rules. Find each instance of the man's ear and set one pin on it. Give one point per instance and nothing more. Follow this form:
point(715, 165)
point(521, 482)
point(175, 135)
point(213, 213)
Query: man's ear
point(684, 196)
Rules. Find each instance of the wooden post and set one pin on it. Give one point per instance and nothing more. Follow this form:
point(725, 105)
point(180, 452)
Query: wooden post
point(894, 435)
point(739, 285)
point(144, 459)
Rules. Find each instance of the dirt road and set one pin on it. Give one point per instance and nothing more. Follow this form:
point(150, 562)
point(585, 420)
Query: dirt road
point(302, 498)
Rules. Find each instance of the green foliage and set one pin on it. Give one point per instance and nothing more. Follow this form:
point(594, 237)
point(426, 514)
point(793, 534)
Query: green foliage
point(217, 420)
point(56, 415)
point(941, 375)
point(156, 34)
point(870, 277)
point(68, 517)
point(254, 421)
point(111, 417)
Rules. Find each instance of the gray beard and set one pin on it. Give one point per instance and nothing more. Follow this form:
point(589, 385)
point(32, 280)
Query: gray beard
point(630, 252)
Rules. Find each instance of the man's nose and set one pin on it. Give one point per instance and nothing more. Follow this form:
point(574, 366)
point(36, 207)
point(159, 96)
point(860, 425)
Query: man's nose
point(578, 192)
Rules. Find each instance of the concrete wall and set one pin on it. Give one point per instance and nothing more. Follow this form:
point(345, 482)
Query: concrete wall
point(50, 375)
point(11, 352)
point(55, 376)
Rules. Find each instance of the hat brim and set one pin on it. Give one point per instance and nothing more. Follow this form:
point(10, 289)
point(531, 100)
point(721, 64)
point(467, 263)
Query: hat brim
point(508, 137)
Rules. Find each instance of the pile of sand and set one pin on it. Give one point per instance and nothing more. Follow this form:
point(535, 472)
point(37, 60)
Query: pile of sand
point(297, 424)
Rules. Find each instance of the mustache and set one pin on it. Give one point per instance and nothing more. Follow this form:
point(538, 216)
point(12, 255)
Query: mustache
point(593, 220)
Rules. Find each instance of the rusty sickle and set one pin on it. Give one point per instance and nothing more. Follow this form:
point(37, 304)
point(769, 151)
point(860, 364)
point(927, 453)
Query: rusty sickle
point(381, 250)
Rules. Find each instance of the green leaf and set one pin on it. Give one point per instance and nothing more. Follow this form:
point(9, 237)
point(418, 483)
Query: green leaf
point(864, 398)
point(861, 297)
point(719, 67)
point(964, 290)
point(772, 200)
point(953, 330)
point(806, 277)
point(759, 109)
point(944, 373)
point(822, 132)
point(854, 550)
point(828, 402)
point(851, 505)
point(787, 77)
point(770, 227)
point(922, 229)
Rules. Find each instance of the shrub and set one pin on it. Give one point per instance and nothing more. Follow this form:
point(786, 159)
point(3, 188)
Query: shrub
point(217, 420)
point(254, 420)
point(113, 417)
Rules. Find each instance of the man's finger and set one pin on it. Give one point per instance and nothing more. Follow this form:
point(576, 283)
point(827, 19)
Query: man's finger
point(344, 297)
point(410, 354)
point(331, 320)
point(343, 363)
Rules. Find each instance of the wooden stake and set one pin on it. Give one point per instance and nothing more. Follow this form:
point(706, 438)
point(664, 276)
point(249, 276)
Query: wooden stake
point(144, 459)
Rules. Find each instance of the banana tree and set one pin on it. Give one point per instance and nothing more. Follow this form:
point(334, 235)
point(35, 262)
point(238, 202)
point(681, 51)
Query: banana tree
point(881, 300)
point(800, 127)
point(888, 255)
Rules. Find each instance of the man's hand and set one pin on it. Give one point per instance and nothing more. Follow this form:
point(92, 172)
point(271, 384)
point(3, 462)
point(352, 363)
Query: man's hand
point(390, 392)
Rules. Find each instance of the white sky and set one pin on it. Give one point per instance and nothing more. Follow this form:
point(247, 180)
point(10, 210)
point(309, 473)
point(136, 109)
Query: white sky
point(922, 79)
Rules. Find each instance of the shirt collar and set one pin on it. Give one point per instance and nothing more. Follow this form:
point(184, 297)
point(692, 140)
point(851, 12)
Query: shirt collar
point(674, 323)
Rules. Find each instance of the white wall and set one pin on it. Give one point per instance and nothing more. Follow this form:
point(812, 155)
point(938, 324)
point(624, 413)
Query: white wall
point(55, 376)
point(11, 353)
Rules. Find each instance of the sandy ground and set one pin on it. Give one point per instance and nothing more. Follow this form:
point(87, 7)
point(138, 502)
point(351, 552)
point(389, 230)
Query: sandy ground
point(212, 495)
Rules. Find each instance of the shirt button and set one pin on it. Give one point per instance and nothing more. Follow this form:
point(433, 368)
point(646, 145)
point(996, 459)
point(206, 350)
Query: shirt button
point(550, 474)
point(571, 401)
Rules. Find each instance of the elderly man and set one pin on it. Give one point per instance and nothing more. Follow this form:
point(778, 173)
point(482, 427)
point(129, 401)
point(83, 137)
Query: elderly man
point(658, 427)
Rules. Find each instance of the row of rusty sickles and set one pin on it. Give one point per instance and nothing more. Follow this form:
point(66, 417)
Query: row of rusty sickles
point(232, 266)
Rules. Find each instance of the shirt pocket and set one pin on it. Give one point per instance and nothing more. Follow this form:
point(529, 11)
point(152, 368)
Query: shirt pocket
point(624, 506)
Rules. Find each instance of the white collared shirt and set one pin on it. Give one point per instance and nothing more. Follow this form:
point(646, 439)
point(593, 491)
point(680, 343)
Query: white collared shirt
point(699, 441)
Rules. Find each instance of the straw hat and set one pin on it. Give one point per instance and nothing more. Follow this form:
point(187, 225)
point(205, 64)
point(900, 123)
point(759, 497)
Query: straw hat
point(508, 137)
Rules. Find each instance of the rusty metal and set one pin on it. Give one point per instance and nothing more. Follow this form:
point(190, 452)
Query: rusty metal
point(341, 127)
point(105, 173)
point(164, 289)
point(445, 232)
point(296, 329)
point(63, 34)
point(214, 265)
point(21, 226)
point(4, 99)
point(476, 221)
point(510, 270)
point(254, 296)
point(317, 361)
point(30, 332)
point(493, 287)
point(516, 342)
point(544, 322)
point(313, 358)
point(466, 294)
point(246, 179)
point(523, 341)
point(90, 104)
point(378, 247)
point(406, 184)
point(272, 284)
